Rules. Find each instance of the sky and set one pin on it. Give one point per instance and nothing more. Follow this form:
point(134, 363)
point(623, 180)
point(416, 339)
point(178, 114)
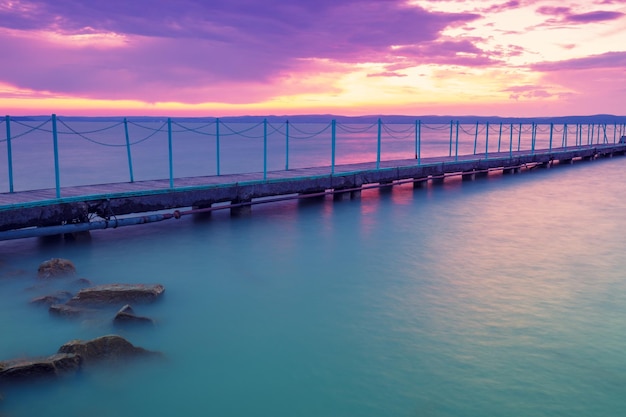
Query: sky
point(518, 58)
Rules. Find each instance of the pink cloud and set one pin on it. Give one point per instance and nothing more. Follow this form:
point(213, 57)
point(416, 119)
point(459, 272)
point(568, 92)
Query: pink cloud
point(193, 48)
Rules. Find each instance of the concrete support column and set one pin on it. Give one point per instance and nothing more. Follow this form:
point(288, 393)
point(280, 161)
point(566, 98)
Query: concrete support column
point(468, 176)
point(341, 195)
point(438, 180)
point(419, 182)
point(241, 210)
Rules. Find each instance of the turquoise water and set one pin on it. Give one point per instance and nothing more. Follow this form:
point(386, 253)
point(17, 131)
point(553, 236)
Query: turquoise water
point(500, 297)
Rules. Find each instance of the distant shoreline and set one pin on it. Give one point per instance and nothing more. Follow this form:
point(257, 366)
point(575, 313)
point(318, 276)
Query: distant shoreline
point(325, 118)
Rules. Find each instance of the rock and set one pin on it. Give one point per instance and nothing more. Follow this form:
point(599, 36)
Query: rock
point(65, 310)
point(56, 267)
point(50, 299)
point(117, 294)
point(109, 348)
point(126, 315)
point(28, 370)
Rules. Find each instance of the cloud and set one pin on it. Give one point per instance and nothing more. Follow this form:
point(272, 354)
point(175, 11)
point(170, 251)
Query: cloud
point(565, 15)
point(607, 60)
point(165, 49)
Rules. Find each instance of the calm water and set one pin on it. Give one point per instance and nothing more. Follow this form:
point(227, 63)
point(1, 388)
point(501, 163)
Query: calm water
point(500, 297)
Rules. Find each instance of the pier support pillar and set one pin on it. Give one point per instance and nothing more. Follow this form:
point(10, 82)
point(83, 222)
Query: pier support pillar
point(356, 194)
point(242, 210)
point(481, 174)
point(341, 195)
point(419, 182)
point(510, 171)
point(438, 180)
point(566, 161)
point(468, 176)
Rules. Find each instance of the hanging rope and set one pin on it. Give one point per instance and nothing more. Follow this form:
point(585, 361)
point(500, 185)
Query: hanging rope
point(82, 134)
point(307, 135)
point(32, 129)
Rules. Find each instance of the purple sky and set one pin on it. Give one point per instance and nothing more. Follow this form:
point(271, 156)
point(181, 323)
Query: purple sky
point(518, 58)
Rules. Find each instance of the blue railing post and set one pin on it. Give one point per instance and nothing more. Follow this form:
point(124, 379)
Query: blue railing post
point(217, 146)
point(264, 149)
point(487, 140)
point(332, 145)
point(7, 120)
point(500, 137)
point(170, 153)
point(564, 141)
point(511, 141)
point(456, 147)
point(55, 142)
point(418, 141)
point(476, 138)
point(551, 130)
point(378, 144)
point(450, 151)
point(519, 138)
point(130, 159)
point(287, 145)
point(533, 138)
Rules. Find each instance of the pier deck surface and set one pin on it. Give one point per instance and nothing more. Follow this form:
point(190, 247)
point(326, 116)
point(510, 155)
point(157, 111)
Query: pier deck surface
point(42, 208)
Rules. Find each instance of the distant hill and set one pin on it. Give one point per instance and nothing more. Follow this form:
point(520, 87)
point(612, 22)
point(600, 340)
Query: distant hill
point(326, 118)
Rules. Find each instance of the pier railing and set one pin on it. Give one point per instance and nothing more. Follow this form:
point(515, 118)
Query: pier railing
point(55, 152)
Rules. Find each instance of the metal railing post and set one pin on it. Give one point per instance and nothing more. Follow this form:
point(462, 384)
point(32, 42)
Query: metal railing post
point(500, 137)
point(7, 120)
point(130, 159)
point(378, 144)
point(55, 142)
point(264, 149)
point(170, 153)
point(418, 141)
point(519, 138)
point(476, 138)
point(217, 145)
point(332, 145)
point(533, 138)
point(287, 145)
point(456, 147)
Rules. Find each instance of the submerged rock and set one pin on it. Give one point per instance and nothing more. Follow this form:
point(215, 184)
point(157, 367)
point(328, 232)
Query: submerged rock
point(110, 348)
point(117, 293)
point(30, 369)
point(50, 299)
point(71, 358)
point(56, 267)
point(126, 315)
point(65, 310)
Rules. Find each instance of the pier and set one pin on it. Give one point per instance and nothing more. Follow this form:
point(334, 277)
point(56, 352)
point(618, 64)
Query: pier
point(73, 209)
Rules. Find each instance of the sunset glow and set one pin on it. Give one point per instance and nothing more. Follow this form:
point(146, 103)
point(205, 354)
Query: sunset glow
point(219, 58)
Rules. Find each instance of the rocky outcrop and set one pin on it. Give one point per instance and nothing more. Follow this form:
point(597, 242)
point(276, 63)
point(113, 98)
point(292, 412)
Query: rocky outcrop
point(72, 357)
point(28, 370)
point(56, 267)
point(110, 348)
point(117, 294)
point(126, 315)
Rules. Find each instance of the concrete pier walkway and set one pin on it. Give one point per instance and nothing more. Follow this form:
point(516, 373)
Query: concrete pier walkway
point(81, 208)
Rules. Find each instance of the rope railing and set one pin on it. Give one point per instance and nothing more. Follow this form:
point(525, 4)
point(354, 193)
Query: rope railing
point(388, 140)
